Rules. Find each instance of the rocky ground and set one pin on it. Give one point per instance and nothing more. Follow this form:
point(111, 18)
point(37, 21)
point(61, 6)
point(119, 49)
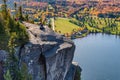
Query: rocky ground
point(47, 55)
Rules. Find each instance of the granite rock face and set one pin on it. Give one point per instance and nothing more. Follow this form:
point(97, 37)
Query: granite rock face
point(3, 56)
point(74, 72)
point(47, 55)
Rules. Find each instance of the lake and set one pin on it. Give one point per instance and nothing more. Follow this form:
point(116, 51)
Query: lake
point(99, 56)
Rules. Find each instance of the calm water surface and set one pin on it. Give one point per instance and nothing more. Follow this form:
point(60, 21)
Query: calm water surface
point(99, 57)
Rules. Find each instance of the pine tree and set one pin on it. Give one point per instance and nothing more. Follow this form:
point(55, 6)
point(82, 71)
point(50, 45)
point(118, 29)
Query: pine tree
point(15, 6)
point(7, 76)
point(21, 18)
point(4, 9)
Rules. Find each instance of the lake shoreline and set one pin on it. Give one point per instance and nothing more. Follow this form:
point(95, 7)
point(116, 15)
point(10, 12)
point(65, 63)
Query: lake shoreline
point(86, 34)
point(98, 55)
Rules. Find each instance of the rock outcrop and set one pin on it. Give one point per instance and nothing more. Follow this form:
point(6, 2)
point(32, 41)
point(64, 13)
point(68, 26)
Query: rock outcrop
point(74, 72)
point(3, 56)
point(47, 55)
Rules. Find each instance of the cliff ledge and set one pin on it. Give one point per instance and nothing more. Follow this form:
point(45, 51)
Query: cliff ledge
point(47, 55)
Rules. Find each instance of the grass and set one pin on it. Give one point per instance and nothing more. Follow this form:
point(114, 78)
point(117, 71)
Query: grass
point(64, 26)
point(100, 23)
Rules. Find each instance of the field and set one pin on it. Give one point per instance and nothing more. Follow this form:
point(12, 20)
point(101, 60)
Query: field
point(63, 26)
point(93, 24)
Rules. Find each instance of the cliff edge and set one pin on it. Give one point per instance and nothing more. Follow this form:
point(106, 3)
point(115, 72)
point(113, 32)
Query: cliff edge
point(47, 55)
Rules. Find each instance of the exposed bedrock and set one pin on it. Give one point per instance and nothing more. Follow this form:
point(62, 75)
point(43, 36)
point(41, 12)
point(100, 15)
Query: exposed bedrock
point(48, 55)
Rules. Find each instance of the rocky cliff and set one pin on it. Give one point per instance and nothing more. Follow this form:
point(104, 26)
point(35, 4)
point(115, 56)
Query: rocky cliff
point(47, 55)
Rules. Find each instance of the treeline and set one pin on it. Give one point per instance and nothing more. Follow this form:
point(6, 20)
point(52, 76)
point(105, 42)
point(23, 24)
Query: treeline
point(77, 23)
point(10, 27)
point(106, 23)
point(109, 15)
point(13, 34)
